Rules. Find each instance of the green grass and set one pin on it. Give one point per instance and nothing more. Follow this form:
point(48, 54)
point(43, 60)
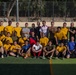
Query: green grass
point(20, 60)
point(30, 66)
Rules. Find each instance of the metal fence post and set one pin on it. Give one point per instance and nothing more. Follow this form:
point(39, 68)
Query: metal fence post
point(53, 11)
point(17, 10)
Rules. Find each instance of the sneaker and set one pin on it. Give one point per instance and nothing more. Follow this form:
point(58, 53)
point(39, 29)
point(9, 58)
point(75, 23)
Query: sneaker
point(57, 58)
point(43, 57)
point(17, 56)
point(2, 56)
point(50, 57)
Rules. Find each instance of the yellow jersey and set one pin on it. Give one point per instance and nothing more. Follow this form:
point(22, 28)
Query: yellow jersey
point(9, 29)
point(2, 38)
point(60, 35)
point(44, 41)
point(18, 30)
point(21, 41)
point(61, 49)
point(1, 44)
point(7, 47)
point(14, 48)
point(65, 32)
point(8, 38)
point(1, 28)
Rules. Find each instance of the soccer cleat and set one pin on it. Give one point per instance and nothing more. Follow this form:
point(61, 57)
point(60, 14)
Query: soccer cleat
point(43, 57)
point(50, 58)
point(17, 56)
point(57, 58)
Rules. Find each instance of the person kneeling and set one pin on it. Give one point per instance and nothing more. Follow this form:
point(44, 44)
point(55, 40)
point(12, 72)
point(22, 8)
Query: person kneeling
point(25, 52)
point(37, 49)
point(48, 50)
point(61, 49)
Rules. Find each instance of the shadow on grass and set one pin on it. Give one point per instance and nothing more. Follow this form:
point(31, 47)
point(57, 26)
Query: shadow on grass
point(24, 69)
point(64, 69)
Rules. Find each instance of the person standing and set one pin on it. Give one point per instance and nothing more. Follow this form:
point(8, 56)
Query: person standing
point(72, 30)
point(37, 30)
point(44, 29)
point(26, 31)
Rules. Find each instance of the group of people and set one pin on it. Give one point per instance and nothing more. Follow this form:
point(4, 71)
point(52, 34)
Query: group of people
point(37, 41)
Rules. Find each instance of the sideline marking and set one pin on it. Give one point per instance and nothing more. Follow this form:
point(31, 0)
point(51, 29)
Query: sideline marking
point(51, 68)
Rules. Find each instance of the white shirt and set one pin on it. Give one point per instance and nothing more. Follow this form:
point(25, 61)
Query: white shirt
point(43, 29)
point(37, 47)
point(24, 30)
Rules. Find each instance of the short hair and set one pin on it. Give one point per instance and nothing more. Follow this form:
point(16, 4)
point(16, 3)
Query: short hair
point(64, 23)
point(52, 22)
point(33, 24)
point(17, 22)
point(43, 21)
point(26, 41)
point(58, 27)
point(9, 21)
point(26, 23)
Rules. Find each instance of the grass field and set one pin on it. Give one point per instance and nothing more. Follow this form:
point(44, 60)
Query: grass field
point(30, 66)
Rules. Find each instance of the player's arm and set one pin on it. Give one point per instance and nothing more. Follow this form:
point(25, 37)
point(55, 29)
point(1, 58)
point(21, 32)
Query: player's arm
point(44, 49)
point(68, 49)
point(56, 39)
point(52, 50)
point(73, 32)
point(33, 49)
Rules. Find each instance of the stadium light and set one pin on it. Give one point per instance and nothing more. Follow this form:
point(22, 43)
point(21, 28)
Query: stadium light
point(17, 10)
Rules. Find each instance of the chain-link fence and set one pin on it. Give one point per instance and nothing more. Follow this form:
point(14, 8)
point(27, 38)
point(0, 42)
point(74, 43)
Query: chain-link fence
point(40, 10)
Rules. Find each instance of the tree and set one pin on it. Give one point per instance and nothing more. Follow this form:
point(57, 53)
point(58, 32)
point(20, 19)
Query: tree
point(10, 7)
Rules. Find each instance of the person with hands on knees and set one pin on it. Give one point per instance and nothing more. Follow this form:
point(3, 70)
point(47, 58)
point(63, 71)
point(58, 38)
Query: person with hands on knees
point(48, 50)
point(25, 52)
point(37, 49)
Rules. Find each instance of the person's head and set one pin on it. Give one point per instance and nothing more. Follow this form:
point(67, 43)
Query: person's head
point(64, 24)
point(1, 23)
point(38, 23)
point(26, 42)
point(26, 25)
point(8, 34)
point(72, 38)
point(58, 29)
point(9, 23)
point(50, 43)
point(43, 35)
point(7, 42)
point(32, 33)
point(44, 22)
point(38, 42)
point(52, 23)
point(72, 24)
point(15, 42)
point(33, 25)
point(17, 24)
point(61, 44)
